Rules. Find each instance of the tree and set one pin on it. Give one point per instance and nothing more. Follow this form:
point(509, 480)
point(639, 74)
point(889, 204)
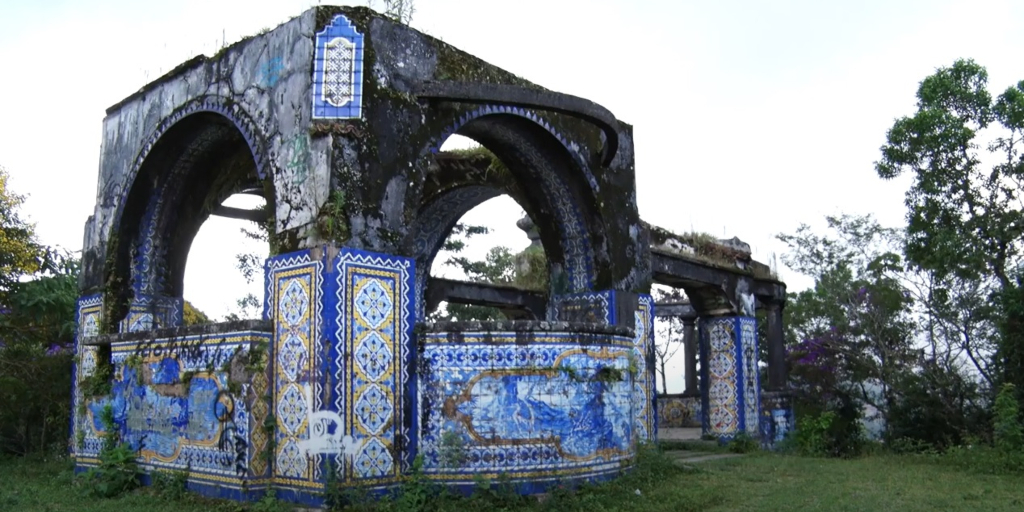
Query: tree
point(498, 267)
point(20, 252)
point(192, 316)
point(873, 331)
point(964, 218)
point(670, 335)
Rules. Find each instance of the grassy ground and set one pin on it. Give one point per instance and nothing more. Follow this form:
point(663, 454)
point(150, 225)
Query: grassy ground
point(762, 482)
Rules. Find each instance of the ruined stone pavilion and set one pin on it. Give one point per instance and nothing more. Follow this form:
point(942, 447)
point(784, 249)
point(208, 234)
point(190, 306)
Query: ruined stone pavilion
point(336, 118)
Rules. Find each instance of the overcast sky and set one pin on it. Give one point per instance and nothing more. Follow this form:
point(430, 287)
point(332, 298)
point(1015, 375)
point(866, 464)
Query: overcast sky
point(750, 117)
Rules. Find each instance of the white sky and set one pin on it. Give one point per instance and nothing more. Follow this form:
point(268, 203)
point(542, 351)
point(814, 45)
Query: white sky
point(749, 117)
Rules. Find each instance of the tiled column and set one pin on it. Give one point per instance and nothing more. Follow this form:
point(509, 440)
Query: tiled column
point(730, 391)
point(295, 303)
point(645, 398)
point(343, 349)
point(85, 443)
point(372, 311)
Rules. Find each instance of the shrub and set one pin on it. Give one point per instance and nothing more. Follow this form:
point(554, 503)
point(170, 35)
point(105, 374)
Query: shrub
point(1007, 430)
point(743, 443)
point(35, 398)
point(832, 433)
point(117, 472)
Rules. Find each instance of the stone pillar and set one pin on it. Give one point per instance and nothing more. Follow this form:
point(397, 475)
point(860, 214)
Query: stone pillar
point(730, 391)
point(777, 372)
point(690, 352)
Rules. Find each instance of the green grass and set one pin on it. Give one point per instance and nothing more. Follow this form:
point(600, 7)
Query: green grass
point(761, 482)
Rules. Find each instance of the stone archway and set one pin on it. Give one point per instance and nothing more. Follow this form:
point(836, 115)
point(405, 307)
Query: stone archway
point(196, 158)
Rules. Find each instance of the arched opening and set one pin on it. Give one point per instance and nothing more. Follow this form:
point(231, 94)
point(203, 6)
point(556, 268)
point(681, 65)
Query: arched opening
point(224, 273)
point(518, 158)
point(190, 170)
point(487, 260)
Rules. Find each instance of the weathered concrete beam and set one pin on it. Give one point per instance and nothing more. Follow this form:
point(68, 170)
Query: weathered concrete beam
point(258, 216)
point(702, 281)
point(532, 304)
point(674, 310)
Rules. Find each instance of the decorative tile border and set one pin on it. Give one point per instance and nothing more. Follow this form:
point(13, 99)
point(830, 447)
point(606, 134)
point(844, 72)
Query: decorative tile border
point(84, 441)
point(371, 364)
point(296, 293)
point(644, 388)
point(148, 312)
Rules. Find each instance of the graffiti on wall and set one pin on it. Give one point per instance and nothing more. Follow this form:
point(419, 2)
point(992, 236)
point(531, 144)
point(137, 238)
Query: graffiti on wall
point(326, 431)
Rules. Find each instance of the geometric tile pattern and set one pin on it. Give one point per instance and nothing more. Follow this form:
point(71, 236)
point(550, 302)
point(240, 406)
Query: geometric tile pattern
point(591, 307)
point(147, 312)
point(260, 408)
point(750, 394)
point(174, 425)
point(643, 389)
point(536, 411)
point(729, 379)
point(295, 304)
point(338, 71)
point(371, 362)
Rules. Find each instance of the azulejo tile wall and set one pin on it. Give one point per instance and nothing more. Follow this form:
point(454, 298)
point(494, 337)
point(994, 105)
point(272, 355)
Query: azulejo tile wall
point(643, 388)
point(84, 441)
point(777, 419)
point(185, 404)
point(371, 363)
point(678, 411)
point(296, 299)
point(729, 380)
point(535, 412)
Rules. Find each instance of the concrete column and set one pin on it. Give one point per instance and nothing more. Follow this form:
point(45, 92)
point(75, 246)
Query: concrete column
point(730, 388)
point(777, 374)
point(690, 352)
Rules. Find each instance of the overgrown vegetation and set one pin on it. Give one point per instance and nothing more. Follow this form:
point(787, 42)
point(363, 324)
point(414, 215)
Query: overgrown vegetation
point(117, 472)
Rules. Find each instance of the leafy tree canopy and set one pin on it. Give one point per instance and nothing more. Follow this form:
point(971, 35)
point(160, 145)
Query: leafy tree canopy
point(20, 253)
point(963, 147)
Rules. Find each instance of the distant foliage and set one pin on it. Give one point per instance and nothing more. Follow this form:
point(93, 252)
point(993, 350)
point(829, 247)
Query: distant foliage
point(192, 316)
point(965, 224)
point(20, 252)
point(36, 353)
point(38, 295)
point(526, 270)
